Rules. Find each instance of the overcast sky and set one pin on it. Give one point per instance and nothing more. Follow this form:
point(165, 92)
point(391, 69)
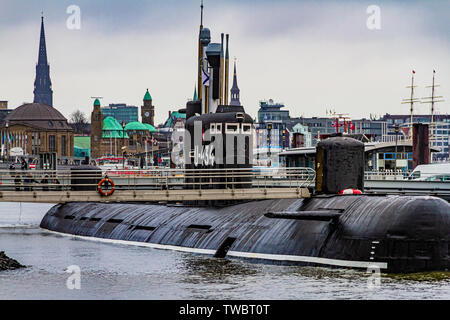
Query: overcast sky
point(310, 55)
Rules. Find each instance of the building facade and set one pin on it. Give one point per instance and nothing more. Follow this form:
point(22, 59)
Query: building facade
point(316, 125)
point(375, 130)
point(37, 128)
point(121, 112)
point(111, 138)
point(439, 131)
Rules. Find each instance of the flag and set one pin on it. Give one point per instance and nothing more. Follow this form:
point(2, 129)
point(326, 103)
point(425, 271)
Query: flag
point(205, 78)
point(352, 127)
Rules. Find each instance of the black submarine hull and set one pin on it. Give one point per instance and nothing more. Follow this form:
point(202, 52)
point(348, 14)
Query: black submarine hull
point(397, 234)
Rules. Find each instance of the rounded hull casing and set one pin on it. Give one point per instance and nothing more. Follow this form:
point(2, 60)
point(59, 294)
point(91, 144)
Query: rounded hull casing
point(397, 234)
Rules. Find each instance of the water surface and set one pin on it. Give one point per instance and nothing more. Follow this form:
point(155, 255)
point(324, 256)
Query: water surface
point(112, 271)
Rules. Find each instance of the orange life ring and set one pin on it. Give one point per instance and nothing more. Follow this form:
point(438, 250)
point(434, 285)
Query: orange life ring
point(106, 182)
point(350, 191)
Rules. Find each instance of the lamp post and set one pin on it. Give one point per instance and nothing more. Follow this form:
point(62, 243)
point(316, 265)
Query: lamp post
point(269, 137)
point(123, 147)
point(146, 143)
point(7, 139)
point(396, 128)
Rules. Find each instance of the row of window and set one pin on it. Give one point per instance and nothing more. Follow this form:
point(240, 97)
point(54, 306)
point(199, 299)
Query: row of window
point(391, 155)
point(231, 128)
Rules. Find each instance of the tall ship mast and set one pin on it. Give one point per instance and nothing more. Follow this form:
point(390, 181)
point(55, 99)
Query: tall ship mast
point(411, 101)
point(432, 100)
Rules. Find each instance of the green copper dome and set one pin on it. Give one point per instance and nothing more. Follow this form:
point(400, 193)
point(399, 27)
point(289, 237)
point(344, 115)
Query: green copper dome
point(112, 129)
point(147, 96)
point(135, 125)
point(97, 103)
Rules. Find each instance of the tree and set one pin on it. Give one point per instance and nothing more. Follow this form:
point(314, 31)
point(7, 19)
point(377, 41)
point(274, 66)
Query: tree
point(78, 121)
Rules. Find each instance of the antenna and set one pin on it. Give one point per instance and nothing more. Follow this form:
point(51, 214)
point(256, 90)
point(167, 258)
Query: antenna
point(201, 15)
point(432, 100)
point(411, 102)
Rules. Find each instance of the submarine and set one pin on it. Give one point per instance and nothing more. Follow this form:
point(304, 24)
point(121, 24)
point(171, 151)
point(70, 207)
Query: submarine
point(392, 233)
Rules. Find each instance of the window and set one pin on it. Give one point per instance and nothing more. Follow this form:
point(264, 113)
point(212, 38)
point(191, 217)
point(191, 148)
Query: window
point(415, 175)
point(51, 143)
point(232, 128)
point(389, 156)
point(218, 128)
point(246, 128)
point(212, 129)
point(63, 146)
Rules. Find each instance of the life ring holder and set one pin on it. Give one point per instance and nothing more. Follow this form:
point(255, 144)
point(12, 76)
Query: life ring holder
point(105, 182)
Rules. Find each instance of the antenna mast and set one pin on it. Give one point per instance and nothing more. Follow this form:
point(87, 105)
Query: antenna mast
point(200, 55)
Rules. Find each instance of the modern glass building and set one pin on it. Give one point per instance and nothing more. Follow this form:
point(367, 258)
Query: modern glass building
point(121, 112)
point(271, 112)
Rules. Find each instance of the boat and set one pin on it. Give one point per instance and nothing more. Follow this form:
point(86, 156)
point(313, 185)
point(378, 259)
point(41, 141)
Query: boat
point(337, 226)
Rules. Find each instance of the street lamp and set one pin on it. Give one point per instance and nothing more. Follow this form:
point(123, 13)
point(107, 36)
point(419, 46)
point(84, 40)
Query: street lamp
point(123, 144)
point(7, 139)
point(269, 140)
point(396, 128)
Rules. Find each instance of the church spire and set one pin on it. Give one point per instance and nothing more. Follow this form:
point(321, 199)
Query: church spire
point(42, 85)
point(235, 92)
point(42, 47)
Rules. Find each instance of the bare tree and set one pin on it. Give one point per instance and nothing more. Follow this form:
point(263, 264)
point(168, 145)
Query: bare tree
point(78, 121)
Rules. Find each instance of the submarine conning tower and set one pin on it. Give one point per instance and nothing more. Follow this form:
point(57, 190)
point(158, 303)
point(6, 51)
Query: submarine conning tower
point(339, 165)
point(218, 143)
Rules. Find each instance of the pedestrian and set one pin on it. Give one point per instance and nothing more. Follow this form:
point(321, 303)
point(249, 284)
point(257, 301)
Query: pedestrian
point(57, 184)
point(24, 164)
point(44, 181)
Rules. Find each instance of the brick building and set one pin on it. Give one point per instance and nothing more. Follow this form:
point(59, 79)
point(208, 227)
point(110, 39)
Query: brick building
point(37, 128)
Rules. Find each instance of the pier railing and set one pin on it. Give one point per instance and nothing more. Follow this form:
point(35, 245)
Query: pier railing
point(155, 185)
point(159, 179)
point(387, 175)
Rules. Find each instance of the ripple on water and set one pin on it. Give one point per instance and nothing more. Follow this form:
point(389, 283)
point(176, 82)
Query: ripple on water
point(110, 271)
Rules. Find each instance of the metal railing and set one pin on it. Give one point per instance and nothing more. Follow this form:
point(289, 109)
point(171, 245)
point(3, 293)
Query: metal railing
point(387, 175)
point(156, 179)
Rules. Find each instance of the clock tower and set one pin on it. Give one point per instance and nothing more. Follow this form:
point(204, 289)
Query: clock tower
point(96, 130)
point(148, 110)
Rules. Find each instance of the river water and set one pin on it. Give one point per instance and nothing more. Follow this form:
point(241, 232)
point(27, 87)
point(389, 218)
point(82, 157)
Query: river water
point(112, 271)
